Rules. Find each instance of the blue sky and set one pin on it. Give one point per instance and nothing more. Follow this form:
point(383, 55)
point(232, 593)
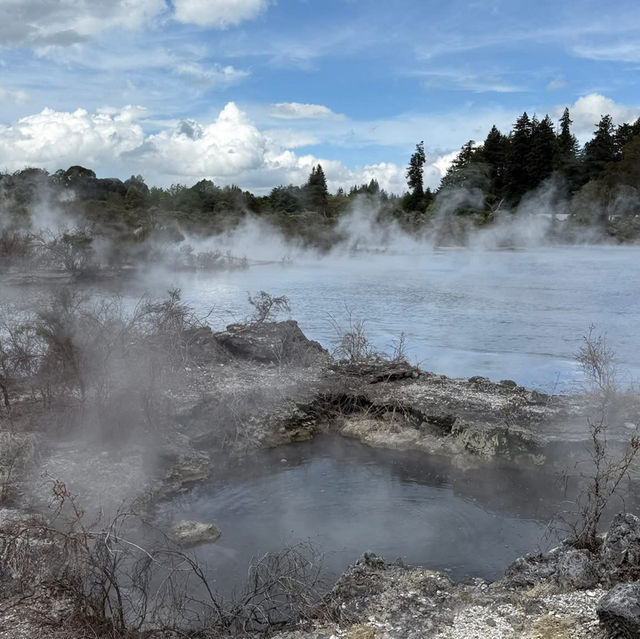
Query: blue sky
point(255, 92)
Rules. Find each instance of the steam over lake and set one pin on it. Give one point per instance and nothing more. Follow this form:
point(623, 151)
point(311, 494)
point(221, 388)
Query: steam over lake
point(516, 314)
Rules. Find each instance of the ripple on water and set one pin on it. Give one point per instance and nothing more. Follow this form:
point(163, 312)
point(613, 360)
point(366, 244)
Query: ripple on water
point(347, 499)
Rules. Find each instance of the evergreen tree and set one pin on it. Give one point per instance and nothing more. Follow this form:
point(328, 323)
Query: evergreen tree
point(495, 149)
point(467, 169)
point(414, 171)
point(543, 154)
point(568, 159)
point(623, 135)
point(601, 150)
point(285, 199)
point(316, 191)
point(518, 180)
point(567, 143)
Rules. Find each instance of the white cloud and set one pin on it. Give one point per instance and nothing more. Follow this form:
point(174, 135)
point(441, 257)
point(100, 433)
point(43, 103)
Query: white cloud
point(211, 76)
point(290, 138)
point(443, 163)
point(225, 148)
point(298, 111)
point(217, 13)
point(231, 149)
point(10, 95)
point(390, 177)
point(587, 111)
point(466, 81)
point(54, 139)
point(617, 51)
point(557, 83)
point(46, 23)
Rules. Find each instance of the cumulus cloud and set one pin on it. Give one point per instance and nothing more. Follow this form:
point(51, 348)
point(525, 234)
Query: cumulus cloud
point(443, 163)
point(587, 111)
point(217, 13)
point(298, 111)
point(227, 147)
point(231, 149)
point(43, 23)
point(54, 139)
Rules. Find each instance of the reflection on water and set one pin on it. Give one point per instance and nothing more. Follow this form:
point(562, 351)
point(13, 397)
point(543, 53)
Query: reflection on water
point(346, 499)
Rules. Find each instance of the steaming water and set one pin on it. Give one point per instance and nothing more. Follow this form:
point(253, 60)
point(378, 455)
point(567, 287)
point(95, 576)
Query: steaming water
point(346, 499)
point(502, 314)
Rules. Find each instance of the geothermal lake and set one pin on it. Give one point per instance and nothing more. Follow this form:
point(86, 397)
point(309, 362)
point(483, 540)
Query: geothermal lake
point(345, 499)
point(504, 314)
point(516, 314)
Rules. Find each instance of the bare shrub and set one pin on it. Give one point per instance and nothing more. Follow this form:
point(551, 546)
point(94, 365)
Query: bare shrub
point(19, 356)
point(610, 463)
point(597, 363)
point(399, 349)
point(267, 307)
point(17, 456)
point(282, 587)
point(98, 361)
point(351, 342)
point(15, 246)
point(117, 587)
point(69, 250)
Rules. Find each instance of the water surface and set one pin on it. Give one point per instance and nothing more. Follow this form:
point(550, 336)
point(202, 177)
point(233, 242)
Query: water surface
point(511, 314)
point(346, 499)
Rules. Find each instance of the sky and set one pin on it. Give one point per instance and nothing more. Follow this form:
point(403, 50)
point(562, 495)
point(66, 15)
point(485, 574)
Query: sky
point(256, 92)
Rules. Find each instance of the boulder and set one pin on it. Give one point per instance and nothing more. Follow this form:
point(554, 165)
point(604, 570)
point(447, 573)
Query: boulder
point(620, 552)
point(203, 347)
point(576, 569)
point(619, 610)
point(189, 532)
point(532, 569)
point(269, 342)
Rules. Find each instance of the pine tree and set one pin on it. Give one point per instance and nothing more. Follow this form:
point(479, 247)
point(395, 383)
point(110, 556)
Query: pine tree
point(601, 150)
point(316, 191)
point(567, 143)
point(568, 162)
point(544, 151)
point(495, 150)
point(414, 171)
point(467, 169)
point(623, 135)
point(518, 180)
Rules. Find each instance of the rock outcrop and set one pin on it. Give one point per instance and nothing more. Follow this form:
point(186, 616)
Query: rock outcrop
point(376, 599)
point(619, 611)
point(269, 342)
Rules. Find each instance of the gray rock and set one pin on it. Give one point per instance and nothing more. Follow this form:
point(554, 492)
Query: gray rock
point(620, 553)
point(189, 532)
point(576, 569)
point(619, 611)
point(532, 569)
point(268, 342)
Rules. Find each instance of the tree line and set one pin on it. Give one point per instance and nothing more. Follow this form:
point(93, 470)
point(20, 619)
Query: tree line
point(599, 181)
point(598, 184)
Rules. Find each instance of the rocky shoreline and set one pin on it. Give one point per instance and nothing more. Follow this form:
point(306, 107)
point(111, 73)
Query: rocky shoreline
point(565, 593)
